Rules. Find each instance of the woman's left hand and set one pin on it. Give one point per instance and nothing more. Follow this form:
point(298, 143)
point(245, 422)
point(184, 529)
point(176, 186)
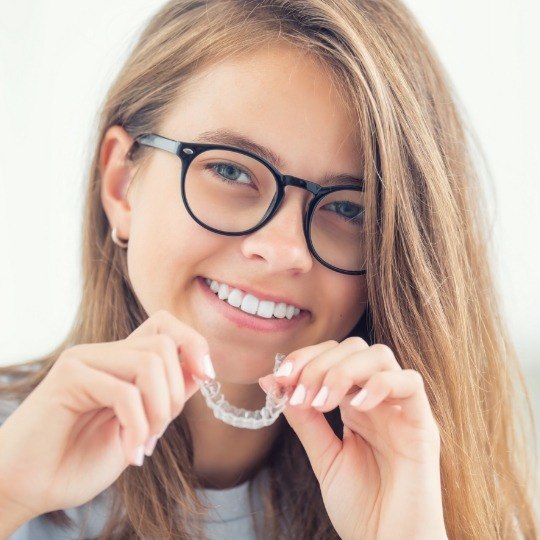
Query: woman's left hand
point(383, 479)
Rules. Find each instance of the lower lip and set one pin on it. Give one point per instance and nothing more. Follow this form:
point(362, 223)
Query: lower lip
point(245, 320)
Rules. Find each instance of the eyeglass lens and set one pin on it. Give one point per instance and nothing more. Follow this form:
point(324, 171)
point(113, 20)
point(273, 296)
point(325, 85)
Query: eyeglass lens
point(232, 192)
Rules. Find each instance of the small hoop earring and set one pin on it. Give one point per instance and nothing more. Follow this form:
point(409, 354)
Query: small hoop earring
point(117, 241)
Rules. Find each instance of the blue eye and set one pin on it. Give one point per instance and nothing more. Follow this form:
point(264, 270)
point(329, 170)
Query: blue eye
point(347, 210)
point(230, 173)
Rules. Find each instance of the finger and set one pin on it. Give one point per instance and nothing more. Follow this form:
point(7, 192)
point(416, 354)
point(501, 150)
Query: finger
point(309, 378)
point(404, 388)
point(295, 361)
point(192, 345)
point(313, 430)
point(144, 369)
point(328, 380)
point(92, 389)
point(164, 345)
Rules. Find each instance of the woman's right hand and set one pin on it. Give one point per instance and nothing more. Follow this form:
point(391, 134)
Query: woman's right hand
point(76, 432)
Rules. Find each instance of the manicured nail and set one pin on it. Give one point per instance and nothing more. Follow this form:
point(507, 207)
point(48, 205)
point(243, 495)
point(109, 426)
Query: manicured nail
point(139, 455)
point(264, 384)
point(284, 370)
point(208, 368)
point(298, 395)
point(150, 445)
point(162, 432)
point(320, 399)
point(359, 398)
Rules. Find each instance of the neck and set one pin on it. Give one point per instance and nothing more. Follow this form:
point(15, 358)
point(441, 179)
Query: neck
point(224, 455)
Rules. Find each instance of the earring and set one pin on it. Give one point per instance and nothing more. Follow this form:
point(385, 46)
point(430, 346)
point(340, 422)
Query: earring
point(117, 241)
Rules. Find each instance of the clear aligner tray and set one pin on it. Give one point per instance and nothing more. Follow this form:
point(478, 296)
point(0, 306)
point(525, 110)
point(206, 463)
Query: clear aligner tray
point(276, 400)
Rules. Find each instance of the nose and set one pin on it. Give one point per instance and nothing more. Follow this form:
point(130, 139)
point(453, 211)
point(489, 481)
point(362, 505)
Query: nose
point(281, 243)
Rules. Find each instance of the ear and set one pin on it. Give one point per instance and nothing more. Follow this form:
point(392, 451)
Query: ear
point(116, 175)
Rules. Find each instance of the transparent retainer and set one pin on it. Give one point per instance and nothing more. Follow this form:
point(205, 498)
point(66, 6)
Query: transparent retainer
point(276, 399)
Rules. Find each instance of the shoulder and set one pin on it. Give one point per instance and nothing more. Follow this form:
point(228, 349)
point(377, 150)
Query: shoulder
point(88, 522)
point(8, 404)
point(11, 392)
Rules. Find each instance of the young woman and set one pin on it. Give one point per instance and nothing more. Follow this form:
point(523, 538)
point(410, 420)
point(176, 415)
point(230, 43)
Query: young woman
point(275, 177)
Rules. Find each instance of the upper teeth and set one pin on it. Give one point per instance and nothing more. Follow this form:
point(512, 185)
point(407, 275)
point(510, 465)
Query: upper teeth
point(251, 304)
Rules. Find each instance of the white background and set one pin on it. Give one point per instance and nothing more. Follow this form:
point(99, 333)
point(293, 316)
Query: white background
point(58, 58)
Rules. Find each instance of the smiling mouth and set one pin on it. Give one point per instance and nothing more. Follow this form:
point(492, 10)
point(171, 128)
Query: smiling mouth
point(250, 304)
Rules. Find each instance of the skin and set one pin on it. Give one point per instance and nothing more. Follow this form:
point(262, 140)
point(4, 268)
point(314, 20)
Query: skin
point(384, 475)
point(296, 117)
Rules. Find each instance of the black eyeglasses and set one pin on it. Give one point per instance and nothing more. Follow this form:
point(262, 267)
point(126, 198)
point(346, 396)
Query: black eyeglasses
point(231, 191)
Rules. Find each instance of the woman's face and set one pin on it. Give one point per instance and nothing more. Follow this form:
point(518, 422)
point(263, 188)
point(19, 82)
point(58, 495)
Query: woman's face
point(285, 101)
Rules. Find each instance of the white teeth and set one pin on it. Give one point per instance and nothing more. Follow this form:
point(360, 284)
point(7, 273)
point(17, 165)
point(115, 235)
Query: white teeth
point(280, 310)
point(235, 298)
point(266, 309)
point(249, 304)
point(223, 292)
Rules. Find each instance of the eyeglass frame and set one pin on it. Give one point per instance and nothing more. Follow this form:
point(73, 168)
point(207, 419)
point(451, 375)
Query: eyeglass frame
point(188, 151)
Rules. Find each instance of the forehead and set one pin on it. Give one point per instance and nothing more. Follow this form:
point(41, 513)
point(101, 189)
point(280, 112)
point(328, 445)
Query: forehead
point(279, 97)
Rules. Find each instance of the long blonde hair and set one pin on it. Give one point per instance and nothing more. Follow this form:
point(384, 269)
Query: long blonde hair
point(430, 290)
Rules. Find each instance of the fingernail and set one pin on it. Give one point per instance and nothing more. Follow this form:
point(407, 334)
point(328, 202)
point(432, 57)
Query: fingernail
point(208, 368)
point(284, 370)
point(320, 399)
point(359, 398)
point(298, 395)
point(162, 431)
point(262, 384)
point(150, 445)
point(139, 455)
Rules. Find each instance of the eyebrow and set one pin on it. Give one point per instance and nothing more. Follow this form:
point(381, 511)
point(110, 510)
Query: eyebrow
point(233, 138)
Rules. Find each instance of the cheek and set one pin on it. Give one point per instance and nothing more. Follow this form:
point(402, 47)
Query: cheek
point(165, 247)
point(346, 303)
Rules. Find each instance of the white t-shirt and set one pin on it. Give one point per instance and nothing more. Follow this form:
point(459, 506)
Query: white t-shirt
point(230, 517)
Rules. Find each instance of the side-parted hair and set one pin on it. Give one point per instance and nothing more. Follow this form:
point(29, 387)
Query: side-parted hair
point(431, 293)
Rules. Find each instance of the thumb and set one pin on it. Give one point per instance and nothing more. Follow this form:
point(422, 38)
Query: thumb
point(266, 382)
point(190, 385)
point(315, 433)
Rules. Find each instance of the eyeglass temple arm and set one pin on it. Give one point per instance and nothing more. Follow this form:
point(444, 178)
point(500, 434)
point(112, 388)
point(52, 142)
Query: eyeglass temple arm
point(157, 141)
